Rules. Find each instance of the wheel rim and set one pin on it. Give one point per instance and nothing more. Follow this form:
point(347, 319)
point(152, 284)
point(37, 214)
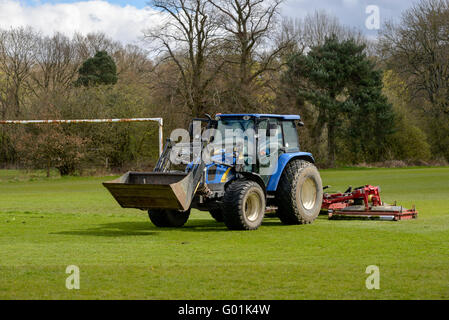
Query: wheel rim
point(308, 194)
point(252, 206)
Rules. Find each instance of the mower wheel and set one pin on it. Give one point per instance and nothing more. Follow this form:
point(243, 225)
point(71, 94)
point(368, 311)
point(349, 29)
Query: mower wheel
point(217, 214)
point(300, 193)
point(163, 218)
point(244, 205)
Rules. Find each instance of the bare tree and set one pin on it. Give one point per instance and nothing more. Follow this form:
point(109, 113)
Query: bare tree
point(133, 64)
point(418, 49)
point(17, 57)
point(89, 45)
point(17, 49)
point(248, 25)
point(57, 64)
point(188, 38)
point(320, 25)
point(313, 30)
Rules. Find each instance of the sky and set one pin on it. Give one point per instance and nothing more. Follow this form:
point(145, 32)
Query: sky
point(124, 20)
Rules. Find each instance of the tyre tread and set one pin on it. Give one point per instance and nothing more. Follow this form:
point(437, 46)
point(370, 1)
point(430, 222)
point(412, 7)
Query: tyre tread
point(233, 203)
point(288, 211)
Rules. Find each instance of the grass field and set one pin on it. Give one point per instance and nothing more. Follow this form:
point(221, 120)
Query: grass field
point(48, 224)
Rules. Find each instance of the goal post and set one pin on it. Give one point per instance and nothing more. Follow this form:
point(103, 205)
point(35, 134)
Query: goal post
point(160, 122)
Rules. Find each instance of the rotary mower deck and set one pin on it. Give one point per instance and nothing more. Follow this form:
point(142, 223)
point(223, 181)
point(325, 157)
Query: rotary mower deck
point(364, 203)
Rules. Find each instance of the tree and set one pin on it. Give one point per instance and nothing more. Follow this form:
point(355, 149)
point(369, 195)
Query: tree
point(408, 142)
point(418, 50)
point(133, 65)
point(188, 39)
point(344, 86)
point(17, 51)
point(50, 147)
point(88, 45)
point(100, 69)
point(316, 27)
point(37, 76)
point(248, 25)
point(371, 116)
point(57, 64)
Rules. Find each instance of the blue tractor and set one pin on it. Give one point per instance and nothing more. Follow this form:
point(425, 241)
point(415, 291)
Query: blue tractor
point(258, 165)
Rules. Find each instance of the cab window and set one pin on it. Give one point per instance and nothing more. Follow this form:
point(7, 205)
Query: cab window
point(270, 126)
point(290, 136)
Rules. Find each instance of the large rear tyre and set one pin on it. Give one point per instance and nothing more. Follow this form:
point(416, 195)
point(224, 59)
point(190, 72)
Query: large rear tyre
point(244, 204)
point(300, 193)
point(163, 218)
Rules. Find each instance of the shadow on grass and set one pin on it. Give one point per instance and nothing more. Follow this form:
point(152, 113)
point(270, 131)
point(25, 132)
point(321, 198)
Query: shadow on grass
point(119, 229)
point(146, 228)
point(124, 229)
point(203, 225)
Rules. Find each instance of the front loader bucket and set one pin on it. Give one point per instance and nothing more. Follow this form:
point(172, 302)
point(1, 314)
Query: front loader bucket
point(154, 190)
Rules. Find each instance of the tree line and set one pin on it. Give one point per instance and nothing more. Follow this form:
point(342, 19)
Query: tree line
point(362, 101)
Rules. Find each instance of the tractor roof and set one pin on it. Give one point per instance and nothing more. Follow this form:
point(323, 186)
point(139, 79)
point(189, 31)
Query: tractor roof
point(257, 115)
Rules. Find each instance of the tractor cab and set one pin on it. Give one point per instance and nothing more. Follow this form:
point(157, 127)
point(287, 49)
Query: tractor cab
point(254, 142)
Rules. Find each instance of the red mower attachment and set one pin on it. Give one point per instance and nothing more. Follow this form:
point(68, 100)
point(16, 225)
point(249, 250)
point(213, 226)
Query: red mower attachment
point(364, 203)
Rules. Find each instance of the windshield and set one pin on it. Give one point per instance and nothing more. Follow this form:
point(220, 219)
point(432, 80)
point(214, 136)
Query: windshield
point(235, 132)
point(238, 127)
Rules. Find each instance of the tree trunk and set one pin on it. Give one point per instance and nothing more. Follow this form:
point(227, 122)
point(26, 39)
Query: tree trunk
point(48, 169)
point(331, 144)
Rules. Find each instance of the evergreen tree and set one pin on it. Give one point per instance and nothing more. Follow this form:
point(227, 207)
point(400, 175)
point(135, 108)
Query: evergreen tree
point(100, 69)
point(343, 84)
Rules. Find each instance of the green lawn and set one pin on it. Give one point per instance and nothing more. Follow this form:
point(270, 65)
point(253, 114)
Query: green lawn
point(48, 224)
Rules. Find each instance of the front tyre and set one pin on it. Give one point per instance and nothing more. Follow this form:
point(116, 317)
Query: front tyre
point(244, 204)
point(164, 218)
point(300, 193)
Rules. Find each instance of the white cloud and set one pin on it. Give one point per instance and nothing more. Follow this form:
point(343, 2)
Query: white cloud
point(350, 12)
point(350, 3)
point(120, 23)
point(126, 23)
